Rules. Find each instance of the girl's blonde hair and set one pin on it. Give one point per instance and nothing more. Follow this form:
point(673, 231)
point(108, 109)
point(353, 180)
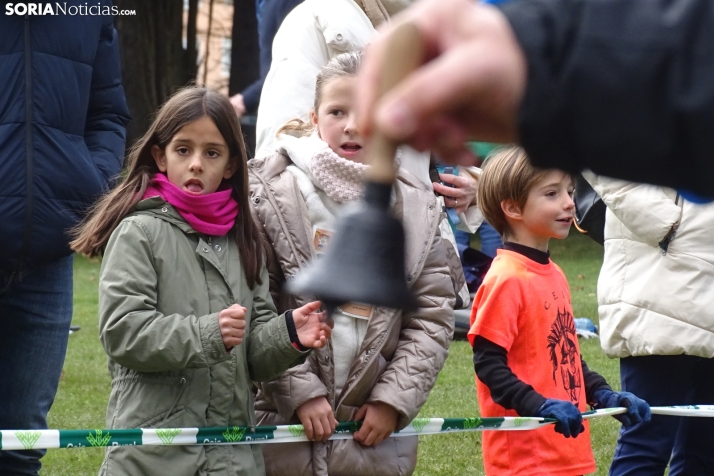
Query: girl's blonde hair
point(507, 175)
point(190, 104)
point(342, 65)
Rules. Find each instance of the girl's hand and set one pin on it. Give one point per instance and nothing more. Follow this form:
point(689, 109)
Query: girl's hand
point(380, 421)
point(317, 418)
point(462, 195)
point(312, 328)
point(231, 323)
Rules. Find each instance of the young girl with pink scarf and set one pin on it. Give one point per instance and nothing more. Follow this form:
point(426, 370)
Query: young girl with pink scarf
point(185, 314)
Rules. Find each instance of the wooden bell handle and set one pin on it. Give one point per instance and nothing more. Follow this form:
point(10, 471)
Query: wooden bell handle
point(405, 52)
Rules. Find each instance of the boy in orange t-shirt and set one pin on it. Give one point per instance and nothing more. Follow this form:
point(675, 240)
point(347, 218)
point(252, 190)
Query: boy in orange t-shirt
point(526, 352)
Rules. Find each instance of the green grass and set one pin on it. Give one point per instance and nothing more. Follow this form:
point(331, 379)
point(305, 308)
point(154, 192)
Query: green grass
point(81, 400)
point(84, 388)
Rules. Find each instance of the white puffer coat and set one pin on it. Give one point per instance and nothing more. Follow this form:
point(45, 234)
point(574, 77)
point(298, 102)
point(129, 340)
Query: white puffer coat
point(650, 302)
point(311, 34)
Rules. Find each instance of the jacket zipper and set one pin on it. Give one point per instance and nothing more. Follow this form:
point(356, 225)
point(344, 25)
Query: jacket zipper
point(371, 355)
point(28, 143)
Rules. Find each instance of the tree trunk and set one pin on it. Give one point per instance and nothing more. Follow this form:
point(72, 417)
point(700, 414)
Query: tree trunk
point(245, 58)
point(154, 62)
point(245, 55)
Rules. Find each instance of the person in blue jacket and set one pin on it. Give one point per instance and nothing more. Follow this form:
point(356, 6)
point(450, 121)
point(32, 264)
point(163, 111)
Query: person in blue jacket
point(62, 136)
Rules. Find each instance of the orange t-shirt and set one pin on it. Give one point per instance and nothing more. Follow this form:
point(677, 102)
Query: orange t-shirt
point(524, 307)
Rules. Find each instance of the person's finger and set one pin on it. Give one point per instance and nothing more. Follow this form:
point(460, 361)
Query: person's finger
point(460, 78)
point(458, 204)
point(563, 428)
point(646, 414)
point(379, 437)
point(479, 70)
point(455, 180)
point(230, 342)
point(309, 308)
point(624, 419)
point(307, 426)
point(372, 68)
point(449, 192)
point(317, 430)
point(325, 329)
point(369, 439)
point(634, 416)
point(361, 413)
point(362, 434)
point(326, 426)
point(236, 311)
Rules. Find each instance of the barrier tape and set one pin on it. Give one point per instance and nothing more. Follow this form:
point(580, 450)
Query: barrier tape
point(237, 435)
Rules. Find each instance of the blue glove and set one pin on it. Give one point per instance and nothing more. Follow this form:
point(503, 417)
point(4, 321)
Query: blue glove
point(638, 410)
point(570, 421)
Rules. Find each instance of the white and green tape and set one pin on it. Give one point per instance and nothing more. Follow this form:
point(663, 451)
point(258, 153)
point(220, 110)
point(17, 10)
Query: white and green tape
point(236, 435)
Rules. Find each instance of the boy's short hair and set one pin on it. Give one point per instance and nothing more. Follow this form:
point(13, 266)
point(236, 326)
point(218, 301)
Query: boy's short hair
point(507, 175)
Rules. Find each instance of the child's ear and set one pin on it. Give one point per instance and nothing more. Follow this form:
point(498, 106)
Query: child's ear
point(511, 209)
point(159, 157)
point(313, 119)
point(230, 169)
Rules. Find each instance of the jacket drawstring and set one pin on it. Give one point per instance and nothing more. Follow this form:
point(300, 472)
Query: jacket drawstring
point(183, 387)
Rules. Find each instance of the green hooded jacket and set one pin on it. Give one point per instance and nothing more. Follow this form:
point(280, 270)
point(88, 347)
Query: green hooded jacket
point(161, 288)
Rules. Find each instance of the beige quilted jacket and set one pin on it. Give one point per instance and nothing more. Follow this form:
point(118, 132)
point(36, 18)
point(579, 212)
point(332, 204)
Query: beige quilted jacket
point(401, 354)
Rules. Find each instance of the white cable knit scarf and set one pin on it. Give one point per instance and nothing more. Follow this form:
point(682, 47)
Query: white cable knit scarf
point(341, 179)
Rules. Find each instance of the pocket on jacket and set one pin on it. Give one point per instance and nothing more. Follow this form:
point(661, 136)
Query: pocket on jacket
point(165, 419)
point(144, 401)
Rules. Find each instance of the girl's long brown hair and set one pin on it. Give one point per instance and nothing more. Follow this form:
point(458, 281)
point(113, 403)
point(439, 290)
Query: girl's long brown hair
point(90, 237)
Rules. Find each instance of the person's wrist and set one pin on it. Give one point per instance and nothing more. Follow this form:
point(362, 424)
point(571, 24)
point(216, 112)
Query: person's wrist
point(292, 332)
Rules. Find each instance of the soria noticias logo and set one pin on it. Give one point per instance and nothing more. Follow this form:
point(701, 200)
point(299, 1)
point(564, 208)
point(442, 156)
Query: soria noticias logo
point(61, 8)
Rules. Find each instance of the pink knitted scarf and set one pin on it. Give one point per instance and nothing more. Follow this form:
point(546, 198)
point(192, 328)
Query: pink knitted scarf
point(340, 178)
point(213, 214)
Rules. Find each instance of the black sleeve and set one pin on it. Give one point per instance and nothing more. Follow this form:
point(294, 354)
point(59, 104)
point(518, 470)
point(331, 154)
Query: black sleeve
point(292, 332)
point(593, 382)
point(623, 87)
point(491, 366)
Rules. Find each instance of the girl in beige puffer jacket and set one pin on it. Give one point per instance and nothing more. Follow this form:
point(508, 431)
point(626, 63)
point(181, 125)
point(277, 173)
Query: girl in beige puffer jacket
point(380, 364)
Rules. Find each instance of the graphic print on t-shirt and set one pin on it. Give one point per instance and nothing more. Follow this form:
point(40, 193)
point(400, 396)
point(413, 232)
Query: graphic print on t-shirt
point(564, 354)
